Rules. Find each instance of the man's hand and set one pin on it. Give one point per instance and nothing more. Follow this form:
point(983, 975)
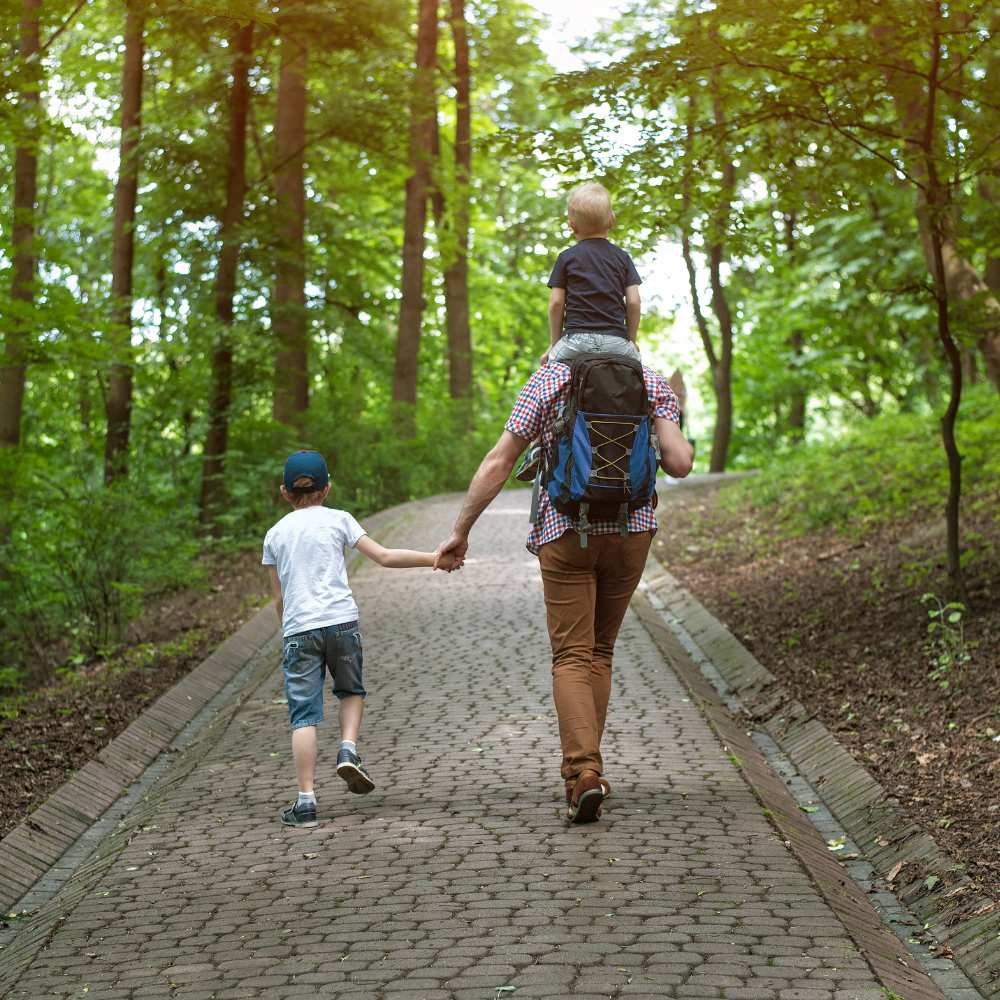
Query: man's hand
point(450, 552)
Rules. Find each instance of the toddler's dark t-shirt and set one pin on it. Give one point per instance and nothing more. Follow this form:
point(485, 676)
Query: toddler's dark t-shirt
point(595, 274)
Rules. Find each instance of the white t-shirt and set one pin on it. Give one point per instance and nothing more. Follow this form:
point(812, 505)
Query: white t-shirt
point(307, 547)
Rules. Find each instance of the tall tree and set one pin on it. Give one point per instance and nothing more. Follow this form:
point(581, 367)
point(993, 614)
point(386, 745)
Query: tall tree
point(288, 312)
point(118, 404)
point(916, 95)
point(423, 127)
point(13, 366)
point(720, 361)
point(213, 489)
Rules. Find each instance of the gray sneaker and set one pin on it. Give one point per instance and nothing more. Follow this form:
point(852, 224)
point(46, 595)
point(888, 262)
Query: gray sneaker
point(296, 815)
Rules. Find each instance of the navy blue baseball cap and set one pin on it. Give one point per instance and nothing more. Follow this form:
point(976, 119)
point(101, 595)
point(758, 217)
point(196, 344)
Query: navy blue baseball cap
point(306, 465)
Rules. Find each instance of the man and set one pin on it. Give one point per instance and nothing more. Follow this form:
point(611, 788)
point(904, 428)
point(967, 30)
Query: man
point(587, 588)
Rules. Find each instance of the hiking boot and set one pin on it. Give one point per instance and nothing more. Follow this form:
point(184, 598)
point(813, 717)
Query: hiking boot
point(349, 768)
point(586, 798)
point(529, 467)
point(296, 815)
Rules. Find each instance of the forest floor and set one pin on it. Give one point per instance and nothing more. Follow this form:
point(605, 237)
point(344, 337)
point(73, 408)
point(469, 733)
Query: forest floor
point(840, 623)
point(53, 730)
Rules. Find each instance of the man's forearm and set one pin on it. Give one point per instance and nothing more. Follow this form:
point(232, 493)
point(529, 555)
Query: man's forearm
point(486, 484)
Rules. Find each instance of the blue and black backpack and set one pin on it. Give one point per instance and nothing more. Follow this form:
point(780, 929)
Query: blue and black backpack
point(601, 463)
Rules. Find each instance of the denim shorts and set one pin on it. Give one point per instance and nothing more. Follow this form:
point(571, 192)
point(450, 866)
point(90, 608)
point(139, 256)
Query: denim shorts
point(307, 658)
point(575, 343)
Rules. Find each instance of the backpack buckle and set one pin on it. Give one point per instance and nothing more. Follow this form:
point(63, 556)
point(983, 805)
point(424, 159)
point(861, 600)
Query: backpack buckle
point(583, 524)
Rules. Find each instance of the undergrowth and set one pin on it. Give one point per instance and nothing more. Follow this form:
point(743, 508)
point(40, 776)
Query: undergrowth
point(879, 471)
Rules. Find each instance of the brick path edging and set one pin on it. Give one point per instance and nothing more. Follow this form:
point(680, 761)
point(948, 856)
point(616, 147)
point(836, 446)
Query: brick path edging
point(873, 819)
point(41, 839)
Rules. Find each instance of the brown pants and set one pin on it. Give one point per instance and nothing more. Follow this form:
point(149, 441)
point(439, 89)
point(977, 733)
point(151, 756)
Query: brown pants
point(586, 595)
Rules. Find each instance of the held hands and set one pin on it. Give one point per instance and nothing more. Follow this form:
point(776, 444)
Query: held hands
point(450, 554)
point(448, 561)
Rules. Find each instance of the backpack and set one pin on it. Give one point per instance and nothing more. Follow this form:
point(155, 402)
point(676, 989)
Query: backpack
point(601, 463)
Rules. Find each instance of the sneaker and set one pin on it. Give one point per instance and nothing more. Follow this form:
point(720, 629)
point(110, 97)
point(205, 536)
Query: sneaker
point(586, 798)
point(296, 815)
point(349, 768)
point(529, 467)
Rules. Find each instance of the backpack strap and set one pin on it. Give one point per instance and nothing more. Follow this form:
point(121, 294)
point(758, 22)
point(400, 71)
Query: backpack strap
point(583, 525)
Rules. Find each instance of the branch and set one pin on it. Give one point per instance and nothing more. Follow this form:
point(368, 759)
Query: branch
point(62, 27)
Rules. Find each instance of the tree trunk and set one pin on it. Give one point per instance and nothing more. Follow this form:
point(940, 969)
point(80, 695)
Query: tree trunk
point(423, 124)
point(722, 373)
point(13, 366)
point(456, 275)
point(797, 399)
point(213, 488)
point(118, 403)
point(288, 312)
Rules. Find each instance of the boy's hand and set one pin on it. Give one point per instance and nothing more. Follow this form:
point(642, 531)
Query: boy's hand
point(544, 359)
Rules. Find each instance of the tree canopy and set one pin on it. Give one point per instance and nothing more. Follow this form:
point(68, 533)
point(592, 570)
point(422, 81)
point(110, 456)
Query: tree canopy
point(238, 229)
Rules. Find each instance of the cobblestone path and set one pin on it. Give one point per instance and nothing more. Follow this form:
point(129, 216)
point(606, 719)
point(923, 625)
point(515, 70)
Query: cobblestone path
point(456, 879)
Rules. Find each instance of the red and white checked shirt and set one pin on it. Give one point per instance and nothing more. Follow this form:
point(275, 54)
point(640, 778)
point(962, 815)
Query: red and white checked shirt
point(536, 408)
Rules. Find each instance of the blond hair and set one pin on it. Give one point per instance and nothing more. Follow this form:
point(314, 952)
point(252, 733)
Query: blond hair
point(589, 208)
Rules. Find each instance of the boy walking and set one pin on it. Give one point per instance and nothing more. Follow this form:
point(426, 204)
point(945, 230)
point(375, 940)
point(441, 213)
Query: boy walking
point(304, 554)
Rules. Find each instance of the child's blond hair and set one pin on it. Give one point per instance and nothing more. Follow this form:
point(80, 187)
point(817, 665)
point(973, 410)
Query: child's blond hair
point(589, 208)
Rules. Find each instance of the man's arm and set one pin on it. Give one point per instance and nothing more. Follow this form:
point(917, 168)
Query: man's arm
point(676, 453)
point(486, 484)
point(279, 600)
point(633, 311)
point(557, 306)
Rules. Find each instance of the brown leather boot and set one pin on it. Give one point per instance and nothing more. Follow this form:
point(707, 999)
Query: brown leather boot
point(586, 798)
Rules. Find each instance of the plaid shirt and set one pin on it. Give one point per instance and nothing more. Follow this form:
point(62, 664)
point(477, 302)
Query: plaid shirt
point(534, 411)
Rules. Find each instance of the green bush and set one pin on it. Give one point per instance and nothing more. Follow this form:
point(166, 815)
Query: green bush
point(78, 558)
point(879, 470)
